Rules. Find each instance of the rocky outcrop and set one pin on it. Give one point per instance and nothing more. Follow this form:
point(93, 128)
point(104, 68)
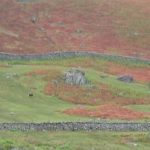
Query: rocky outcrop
point(75, 77)
point(126, 78)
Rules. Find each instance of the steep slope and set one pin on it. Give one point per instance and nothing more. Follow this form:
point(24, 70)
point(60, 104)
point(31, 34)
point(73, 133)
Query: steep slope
point(40, 26)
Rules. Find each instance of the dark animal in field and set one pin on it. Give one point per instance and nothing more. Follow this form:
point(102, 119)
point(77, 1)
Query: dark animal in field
point(30, 94)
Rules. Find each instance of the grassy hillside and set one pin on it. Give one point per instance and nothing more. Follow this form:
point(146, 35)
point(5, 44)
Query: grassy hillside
point(39, 26)
point(105, 97)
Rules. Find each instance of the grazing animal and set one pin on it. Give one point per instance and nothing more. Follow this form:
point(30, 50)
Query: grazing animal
point(30, 94)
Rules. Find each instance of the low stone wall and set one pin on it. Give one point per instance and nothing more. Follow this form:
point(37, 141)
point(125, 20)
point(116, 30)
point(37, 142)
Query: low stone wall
point(68, 54)
point(76, 126)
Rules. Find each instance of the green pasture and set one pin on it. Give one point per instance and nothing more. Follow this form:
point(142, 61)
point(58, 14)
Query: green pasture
point(99, 140)
point(15, 84)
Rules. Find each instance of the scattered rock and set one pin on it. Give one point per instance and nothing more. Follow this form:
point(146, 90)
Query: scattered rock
point(126, 78)
point(79, 31)
point(133, 144)
point(11, 75)
point(34, 19)
point(41, 29)
point(75, 77)
point(121, 94)
point(136, 33)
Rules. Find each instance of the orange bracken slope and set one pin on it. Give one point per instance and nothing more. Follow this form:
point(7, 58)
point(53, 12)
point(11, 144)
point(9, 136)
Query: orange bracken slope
point(40, 26)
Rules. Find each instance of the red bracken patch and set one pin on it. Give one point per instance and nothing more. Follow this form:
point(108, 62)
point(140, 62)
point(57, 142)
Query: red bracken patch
point(108, 111)
point(38, 72)
point(75, 25)
point(96, 96)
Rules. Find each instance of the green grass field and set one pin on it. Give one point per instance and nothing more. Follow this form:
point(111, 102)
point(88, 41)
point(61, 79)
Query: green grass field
point(15, 84)
point(74, 140)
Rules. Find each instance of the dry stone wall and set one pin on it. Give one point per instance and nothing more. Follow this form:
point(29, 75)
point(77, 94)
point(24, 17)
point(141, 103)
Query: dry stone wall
point(76, 126)
point(68, 54)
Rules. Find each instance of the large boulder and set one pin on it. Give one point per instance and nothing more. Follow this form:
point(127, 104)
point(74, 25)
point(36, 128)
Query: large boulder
point(126, 78)
point(75, 77)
